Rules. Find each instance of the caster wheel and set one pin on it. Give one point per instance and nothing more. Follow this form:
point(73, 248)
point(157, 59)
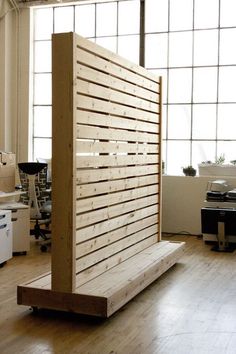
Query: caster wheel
point(35, 310)
point(43, 248)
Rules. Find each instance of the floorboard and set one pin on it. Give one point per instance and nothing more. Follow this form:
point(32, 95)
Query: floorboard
point(189, 309)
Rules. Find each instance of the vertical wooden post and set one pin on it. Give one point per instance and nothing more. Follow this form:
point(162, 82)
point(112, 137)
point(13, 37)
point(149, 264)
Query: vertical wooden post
point(63, 162)
point(160, 163)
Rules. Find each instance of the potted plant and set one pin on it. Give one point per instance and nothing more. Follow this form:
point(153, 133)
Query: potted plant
point(189, 171)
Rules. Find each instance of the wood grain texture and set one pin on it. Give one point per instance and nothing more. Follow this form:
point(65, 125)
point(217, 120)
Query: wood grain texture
point(63, 163)
point(104, 120)
point(107, 292)
point(106, 133)
point(105, 65)
point(189, 309)
point(111, 57)
point(101, 78)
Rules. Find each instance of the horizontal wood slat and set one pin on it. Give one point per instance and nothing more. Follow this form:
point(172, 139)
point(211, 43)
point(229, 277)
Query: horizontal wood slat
point(97, 202)
point(87, 176)
point(114, 58)
point(114, 248)
point(111, 121)
point(93, 217)
point(114, 260)
point(94, 104)
point(101, 92)
point(86, 190)
point(92, 147)
point(115, 160)
point(110, 237)
point(98, 77)
point(96, 62)
point(109, 225)
point(88, 132)
point(136, 265)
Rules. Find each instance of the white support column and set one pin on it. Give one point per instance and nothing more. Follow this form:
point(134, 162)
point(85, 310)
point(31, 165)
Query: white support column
point(8, 76)
point(15, 80)
point(25, 78)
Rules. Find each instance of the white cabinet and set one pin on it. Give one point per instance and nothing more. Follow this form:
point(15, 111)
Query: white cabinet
point(5, 236)
point(21, 229)
point(21, 225)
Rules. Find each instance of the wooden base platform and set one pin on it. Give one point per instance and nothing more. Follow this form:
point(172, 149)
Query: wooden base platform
point(108, 292)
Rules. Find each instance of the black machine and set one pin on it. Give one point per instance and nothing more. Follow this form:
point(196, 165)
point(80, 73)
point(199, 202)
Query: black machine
point(222, 223)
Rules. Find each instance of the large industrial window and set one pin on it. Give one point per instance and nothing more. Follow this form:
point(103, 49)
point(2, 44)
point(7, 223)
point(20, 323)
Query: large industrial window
point(114, 25)
point(188, 42)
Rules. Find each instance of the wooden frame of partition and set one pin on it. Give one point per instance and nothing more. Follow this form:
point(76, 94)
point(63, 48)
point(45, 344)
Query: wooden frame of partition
point(106, 173)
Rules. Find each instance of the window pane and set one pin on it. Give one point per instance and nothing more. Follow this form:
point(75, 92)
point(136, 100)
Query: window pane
point(205, 85)
point(206, 13)
point(128, 47)
point(206, 47)
point(180, 49)
point(227, 13)
point(106, 21)
point(227, 122)
point(181, 14)
point(108, 43)
point(228, 148)
point(227, 50)
point(42, 121)
point(227, 80)
point(203, 151)
point(156, 51)
point(163, 74)
point(179, 121)
point(128, 15)
point(163, 123)
point(85, 20)
point(42, 148)
point(204, 121)
point(42, 56)
point(178, 156)
point(180, 85)
point(156, 15)
point(63, 19)
point(163, 155)
point(42, 89)
point(43, 23)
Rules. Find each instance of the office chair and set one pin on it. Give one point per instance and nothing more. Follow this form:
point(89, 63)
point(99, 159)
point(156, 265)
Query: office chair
point(33, 178)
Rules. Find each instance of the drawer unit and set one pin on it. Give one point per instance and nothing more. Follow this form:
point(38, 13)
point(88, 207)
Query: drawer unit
point(20, 224)
point(5, 236)
point(21, 230)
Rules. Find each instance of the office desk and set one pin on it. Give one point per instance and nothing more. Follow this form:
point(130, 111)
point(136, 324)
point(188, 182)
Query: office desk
point(10, 195)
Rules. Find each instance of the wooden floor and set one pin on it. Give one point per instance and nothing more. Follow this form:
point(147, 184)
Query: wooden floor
point(189, 309)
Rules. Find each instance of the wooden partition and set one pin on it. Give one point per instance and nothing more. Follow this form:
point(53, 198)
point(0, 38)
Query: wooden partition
point(106, 172)
point(106, 141)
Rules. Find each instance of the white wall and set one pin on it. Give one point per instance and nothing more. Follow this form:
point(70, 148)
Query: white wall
point(182, 200)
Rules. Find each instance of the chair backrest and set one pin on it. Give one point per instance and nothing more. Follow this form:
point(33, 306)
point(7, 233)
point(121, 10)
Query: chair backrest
point(49, 170)
point(33, 178)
